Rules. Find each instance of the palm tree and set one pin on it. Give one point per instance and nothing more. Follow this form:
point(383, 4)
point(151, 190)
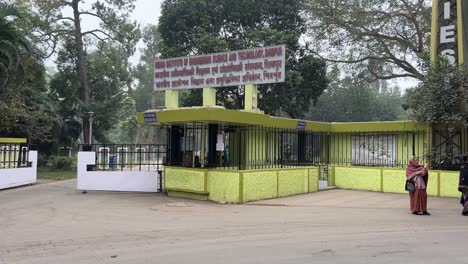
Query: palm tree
point(13, 44)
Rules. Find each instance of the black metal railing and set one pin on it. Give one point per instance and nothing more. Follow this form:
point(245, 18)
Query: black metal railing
point(127, 157)
point(200, 145)
point(449, 145)
point(233, 147)
point(14, 156)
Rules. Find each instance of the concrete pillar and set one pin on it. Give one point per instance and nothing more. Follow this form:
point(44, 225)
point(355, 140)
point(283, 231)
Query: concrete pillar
point(209, 96)
point(172, 99)
point(251, 97)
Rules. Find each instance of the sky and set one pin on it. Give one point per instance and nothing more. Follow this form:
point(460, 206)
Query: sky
point(146, 12)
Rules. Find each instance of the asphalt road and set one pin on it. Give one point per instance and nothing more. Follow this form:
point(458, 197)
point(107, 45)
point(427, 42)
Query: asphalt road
point(53, 223)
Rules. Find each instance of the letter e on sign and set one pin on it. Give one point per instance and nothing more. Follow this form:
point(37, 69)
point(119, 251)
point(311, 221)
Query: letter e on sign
point(447, 34)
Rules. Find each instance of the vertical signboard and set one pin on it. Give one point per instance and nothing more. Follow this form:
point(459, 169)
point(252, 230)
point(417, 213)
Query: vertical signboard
point(449, 26)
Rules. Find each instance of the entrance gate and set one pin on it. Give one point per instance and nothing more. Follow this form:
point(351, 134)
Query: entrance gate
point(122, 167)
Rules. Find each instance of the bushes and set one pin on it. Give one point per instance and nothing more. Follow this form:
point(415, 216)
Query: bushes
point(60, 163)
point(56, 162)
point(42, 161)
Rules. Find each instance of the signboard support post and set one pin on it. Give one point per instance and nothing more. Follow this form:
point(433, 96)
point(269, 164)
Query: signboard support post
point(209, 96)
point(251, 97)
point(172, 99)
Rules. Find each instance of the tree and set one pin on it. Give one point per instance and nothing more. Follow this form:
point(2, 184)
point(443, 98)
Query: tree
point(353, 99)
point(192, 27)
point(12, 44)
point(53, 28)
point(106, 89)
point(126, 131)
point(143, 72)
point(25, 108)
point(389, 37)
point(439, 97)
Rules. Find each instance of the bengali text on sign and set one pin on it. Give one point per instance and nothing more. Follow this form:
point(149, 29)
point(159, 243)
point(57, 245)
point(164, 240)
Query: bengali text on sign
point(252, 66)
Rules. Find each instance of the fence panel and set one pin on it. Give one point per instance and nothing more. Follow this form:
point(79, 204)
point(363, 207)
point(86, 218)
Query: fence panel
point(129, 157)
point(14, 156)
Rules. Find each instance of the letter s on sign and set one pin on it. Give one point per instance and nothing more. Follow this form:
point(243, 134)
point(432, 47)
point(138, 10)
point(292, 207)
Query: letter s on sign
point(450, 55)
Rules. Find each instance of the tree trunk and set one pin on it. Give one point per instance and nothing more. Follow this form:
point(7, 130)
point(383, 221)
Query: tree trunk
point(83, 71)
point(129, 87)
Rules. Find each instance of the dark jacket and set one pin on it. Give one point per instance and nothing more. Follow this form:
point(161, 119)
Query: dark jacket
point(463, 182)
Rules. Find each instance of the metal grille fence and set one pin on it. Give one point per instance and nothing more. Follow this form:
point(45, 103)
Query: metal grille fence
point(449, 144)
point(128, 157)
point(201, 145)
point(14, 156)
point(232, 147)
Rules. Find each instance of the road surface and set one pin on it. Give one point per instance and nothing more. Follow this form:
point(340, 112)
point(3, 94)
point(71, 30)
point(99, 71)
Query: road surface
point(53, 223)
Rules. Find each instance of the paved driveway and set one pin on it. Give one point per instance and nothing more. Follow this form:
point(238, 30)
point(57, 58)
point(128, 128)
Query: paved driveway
point(52, 223)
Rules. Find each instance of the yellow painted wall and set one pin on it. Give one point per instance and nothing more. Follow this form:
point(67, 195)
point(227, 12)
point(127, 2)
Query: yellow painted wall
point(358, 178)
point(234, 186)
point(190, 180)
point(449, 184)
point(314, 175)
point(224, 186)
point(294, 181)
point(441, 183)
point(433, 184)
point(259, 185)
point(394, 181)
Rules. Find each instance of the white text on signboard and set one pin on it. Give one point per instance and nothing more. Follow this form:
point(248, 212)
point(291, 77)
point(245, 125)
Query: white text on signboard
point(253, 66)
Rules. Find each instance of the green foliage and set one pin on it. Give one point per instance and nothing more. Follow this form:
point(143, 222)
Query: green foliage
point(438, 98)
point(60, 163)
point(189, 27)
point(127, 128)
point(143, 72)
point(387, 37)
point(42, 160)
point(355, 100)
point(116, 31)
point(13, 44)
point(106, 89)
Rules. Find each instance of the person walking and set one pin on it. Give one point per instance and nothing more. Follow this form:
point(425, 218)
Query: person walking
point(420, 176)
point(463, 185)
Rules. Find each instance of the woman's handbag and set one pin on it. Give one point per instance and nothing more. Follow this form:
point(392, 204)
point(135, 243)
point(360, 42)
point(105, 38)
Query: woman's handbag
point(410, 186)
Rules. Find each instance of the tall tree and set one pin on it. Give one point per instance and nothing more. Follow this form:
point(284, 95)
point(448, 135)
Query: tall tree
point(191, 27)
point(143, 72)
point(54, 27)
point(106, 89)
point(12, 43)
point(353, 99)
point(25, 109)
point(389, 37)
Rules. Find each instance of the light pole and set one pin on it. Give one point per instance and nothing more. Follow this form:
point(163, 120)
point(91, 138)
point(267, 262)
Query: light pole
point(90, 127)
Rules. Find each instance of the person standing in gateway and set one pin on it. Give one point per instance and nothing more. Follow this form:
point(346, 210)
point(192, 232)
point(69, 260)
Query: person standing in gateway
point(463, 185)
point(419, 175)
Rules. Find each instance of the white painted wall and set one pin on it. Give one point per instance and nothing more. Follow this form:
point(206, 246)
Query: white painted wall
point(124, 181)
point(10, 178)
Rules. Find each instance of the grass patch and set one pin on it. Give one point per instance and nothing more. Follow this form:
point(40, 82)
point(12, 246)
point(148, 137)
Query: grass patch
point(56, 175)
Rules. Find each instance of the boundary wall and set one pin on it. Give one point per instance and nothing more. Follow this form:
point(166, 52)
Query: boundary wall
point(230, 186)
